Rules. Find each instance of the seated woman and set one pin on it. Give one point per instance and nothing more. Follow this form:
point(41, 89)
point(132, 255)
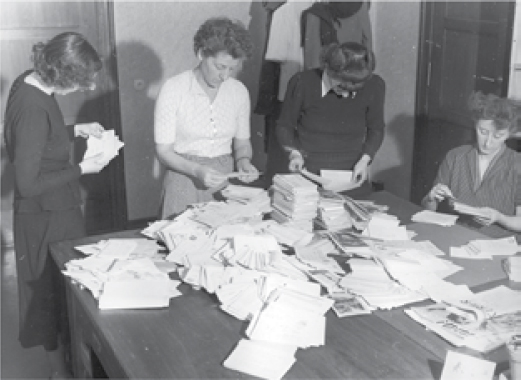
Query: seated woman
point(487, 174)
point(333, 118)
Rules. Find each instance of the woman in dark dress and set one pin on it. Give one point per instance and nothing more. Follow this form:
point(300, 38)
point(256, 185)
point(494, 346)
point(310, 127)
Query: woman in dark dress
point(47, 194)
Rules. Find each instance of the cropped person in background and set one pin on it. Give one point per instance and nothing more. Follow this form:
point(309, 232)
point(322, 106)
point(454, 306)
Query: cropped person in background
point(47, 193)
point(486, 174)
point(202, 115)
point(333, 117)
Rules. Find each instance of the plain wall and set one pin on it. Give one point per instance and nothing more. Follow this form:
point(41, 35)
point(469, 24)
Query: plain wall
point(396, 28)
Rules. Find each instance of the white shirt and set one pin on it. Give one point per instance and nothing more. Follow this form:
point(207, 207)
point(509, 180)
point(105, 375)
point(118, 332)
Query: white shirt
point(185, 117)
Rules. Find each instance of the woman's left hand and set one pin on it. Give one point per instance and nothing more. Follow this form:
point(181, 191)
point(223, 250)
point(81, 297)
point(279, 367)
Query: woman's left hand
point(89, 129)
point(489, 216)
point(250, 172)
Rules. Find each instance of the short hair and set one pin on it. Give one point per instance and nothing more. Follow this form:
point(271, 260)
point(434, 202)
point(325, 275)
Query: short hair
point(222, 34)
point(348, 62)
point(503, 112)
point(66, 61)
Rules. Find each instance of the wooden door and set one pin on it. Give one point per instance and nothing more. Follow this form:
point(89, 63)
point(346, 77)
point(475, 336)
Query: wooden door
point(464, 47)
point(25, 23)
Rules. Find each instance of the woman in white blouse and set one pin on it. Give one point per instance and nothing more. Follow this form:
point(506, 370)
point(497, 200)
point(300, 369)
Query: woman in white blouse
point(202, 116)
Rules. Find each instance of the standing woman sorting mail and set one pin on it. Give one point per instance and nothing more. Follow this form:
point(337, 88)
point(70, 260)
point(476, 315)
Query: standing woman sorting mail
point(201, 115)
point(333, 117)
point(47, 193)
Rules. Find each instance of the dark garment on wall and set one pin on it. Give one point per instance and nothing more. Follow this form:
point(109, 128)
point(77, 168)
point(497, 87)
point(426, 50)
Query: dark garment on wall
point(329, 14)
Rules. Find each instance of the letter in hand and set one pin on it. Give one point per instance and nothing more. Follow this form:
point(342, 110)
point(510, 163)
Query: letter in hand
point(93, 164)
point(488, 216)
point(89, 129)
point(247, 172)
point(210, 177)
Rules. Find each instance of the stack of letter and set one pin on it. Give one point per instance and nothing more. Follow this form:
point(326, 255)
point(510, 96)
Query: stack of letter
point(294, 201)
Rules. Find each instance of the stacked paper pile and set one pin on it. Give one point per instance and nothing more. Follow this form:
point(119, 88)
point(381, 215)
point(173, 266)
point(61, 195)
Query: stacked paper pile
point(295, 201)
point(120, 277)
point(332, 215)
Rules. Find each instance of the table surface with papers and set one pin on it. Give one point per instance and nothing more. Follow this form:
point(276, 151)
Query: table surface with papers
point(193, 336)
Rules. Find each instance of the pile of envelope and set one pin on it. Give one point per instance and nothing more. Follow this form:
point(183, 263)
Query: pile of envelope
point(294, 201)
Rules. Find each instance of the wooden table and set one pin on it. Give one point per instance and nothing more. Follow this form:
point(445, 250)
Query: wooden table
point(194, 336)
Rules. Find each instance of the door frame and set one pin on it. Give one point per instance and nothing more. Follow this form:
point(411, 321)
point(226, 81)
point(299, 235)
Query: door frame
point(112, 112)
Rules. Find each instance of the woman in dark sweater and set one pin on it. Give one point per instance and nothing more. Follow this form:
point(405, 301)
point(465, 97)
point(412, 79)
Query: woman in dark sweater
point(47, 194)
point(333, 117)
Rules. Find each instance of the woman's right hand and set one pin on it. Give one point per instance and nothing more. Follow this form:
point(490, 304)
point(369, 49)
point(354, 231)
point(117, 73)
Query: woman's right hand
point(440, 192)
point(296, 162)
point(210, 177)
point(93, 164)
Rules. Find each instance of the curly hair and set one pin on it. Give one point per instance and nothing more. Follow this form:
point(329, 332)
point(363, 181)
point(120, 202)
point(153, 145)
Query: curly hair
point(349, 62)
point(503, 112)
point(222, 34)
point(66, 61)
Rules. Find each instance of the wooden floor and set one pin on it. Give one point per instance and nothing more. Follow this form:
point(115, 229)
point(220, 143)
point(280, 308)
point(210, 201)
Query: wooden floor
point(16, 362)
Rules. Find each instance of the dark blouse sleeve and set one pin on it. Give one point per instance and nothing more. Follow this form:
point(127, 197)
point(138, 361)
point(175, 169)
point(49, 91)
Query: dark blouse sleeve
point(32, 131)
point(517, 200)
point(290, 114)
point(375, 120)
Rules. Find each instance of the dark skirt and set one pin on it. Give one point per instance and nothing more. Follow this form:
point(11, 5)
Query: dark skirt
point(41, 293)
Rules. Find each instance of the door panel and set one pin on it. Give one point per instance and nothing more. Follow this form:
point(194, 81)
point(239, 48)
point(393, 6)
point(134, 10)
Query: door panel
point(25, 23)
point(464, 47)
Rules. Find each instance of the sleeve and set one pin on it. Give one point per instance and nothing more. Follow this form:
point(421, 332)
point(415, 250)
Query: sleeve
point(517, 199)
point(312, 44)
point(290, 113)
point(444, 171)
point(375, 120)
point(165, 114)
point(243, 114)
point(32, 131)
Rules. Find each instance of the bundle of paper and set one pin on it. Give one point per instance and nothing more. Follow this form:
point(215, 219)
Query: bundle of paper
point(349, 242)
point(294, 200)
point(243, 193)
point(291, 317)
point(467, 210)
point(332, 215)
point(315, 254)
point(347, 304)
point(433, 217)
point(107, 146)
point(466, 326)
point(123, 283)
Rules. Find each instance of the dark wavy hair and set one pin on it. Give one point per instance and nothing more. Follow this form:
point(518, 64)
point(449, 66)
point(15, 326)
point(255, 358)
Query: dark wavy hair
point(504, 112)
point(349, 62)
point(222, 34)
point(66, 61)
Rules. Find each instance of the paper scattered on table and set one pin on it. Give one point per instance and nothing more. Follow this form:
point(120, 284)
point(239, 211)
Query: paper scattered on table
point(108, 145)
point(262, 359)
point(486, 249)
point(432, 217)
point(462, 366)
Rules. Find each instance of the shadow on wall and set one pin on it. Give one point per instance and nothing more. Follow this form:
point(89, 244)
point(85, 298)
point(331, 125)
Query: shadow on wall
point(396, 179)
point(6, 184)
point(130, 57)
